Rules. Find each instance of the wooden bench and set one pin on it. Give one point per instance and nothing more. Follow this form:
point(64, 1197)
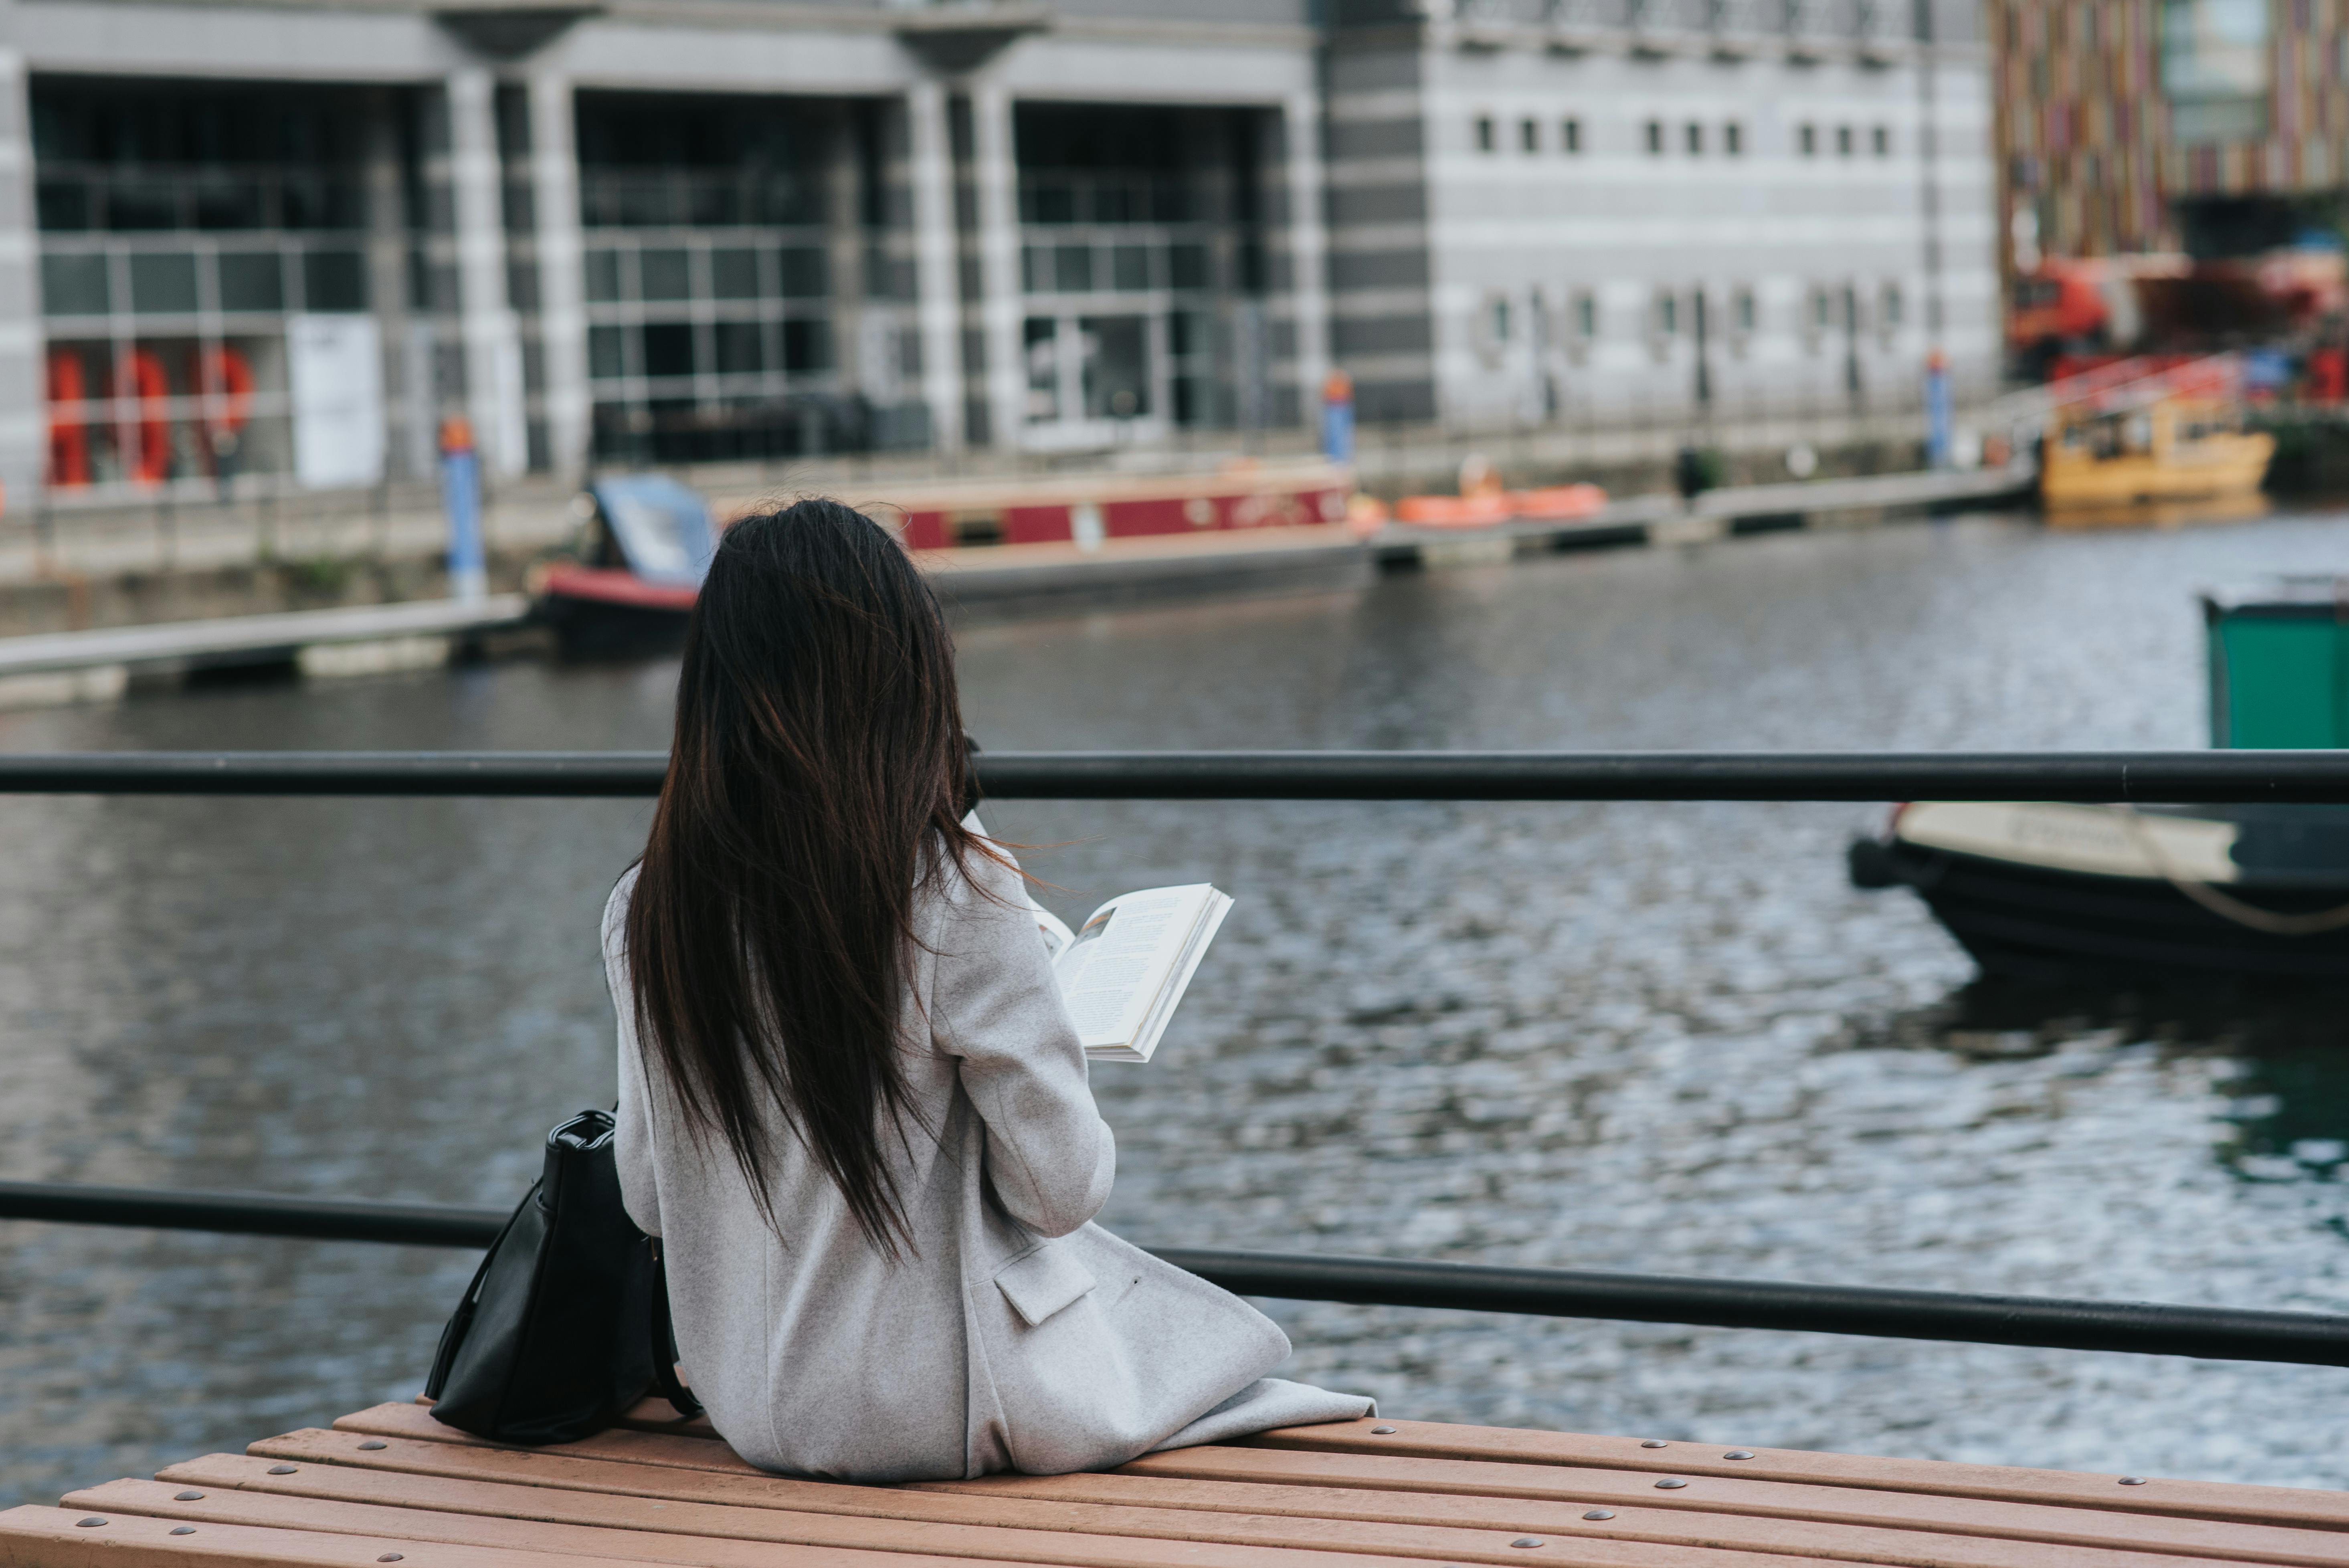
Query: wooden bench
point(392, 1485)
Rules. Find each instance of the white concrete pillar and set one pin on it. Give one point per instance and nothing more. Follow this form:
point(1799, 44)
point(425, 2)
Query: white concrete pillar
point(1309, 250)
point(930, 170)
point(562, 272)
point(996, 172)
point(24, 381)
point(491, 335)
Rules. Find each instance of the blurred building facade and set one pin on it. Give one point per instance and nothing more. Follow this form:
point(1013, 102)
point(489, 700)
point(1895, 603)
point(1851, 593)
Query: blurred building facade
point(2213, 126)
point(284, 242)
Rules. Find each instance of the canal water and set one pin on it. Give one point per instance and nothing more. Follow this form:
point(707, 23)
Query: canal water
point(1664, 1037)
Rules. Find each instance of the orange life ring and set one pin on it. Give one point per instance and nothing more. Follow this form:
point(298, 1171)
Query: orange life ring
point(146, 441)
point(69, 421)
point(226, 378)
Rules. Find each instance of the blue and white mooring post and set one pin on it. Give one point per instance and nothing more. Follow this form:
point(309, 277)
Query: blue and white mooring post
point(1338, 417)
point(1938, 418)
point(461, 498)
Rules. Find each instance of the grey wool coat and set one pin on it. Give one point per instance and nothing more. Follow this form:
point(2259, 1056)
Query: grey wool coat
point(1020, 1338)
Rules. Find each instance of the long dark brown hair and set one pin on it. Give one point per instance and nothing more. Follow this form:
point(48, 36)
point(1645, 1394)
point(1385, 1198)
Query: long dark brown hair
point(815, 788)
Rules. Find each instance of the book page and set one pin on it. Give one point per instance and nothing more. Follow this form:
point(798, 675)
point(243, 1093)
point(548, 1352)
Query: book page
point(1170, 994)
point(1114, 971)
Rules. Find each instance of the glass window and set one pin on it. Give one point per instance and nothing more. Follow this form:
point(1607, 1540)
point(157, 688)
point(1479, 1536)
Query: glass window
point(229, 207)
point(1116, 366)
point(1036, 270)
point(1570, 135)
point(1187, 266)
point(1733, 139)
point(1655, 136)
point(1484, 133)
point(64, 206)
point(604, 357)
point(1741, 310)
point(1807, 137)
point(334, 279)
point(1586, 316)
point(734, 273)
point(603, 276)
point(1041, 346)
point(74, 285)
point(1073, 268)
point(665, 273)
point(2215, 69)
point(1668, 314)
point(1693, 136)
point(164, 284)
point(807, 275)
point(741, 348)
point(807, 345)
point(1529, 136)
point(1130, 267)
point(142, 208)
point(1891, 306)
point(1843, 141)
point(669, 349)
point(1880, 142)
point(251, 280)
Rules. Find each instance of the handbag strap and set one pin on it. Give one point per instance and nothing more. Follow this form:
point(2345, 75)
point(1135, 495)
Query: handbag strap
point(665, 1342)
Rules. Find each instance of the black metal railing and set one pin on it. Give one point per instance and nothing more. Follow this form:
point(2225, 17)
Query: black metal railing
point(2170, 777)
point(2147, 777)
point(2052, 1323)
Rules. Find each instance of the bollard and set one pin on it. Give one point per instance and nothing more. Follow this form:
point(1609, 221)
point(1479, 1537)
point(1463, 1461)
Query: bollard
point(1937, 433)
point(1338, 417)
point(461, 498)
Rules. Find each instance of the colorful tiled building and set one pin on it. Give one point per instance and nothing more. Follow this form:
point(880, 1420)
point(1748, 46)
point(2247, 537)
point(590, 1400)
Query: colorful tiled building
point(2215, 127)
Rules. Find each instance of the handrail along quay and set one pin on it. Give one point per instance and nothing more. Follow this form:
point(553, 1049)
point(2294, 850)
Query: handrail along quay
point(2168, 778)
point(2165, 778)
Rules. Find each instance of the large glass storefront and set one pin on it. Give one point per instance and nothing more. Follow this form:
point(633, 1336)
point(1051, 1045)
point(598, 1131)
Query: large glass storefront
point(188, 236)
point(1142, 272)
point(742, 301)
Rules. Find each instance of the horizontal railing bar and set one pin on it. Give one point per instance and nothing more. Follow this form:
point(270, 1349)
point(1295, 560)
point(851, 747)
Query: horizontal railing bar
point(2048, 1322)
point(251, 1214)
point(2168, 777)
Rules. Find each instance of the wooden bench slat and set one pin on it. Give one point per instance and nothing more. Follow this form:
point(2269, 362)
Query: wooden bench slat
point(36, 1537)
point(1458, 1538)
point(529, 1532)
point(1635, 1520)
point(1783, 1499)
point(891, 1519)
point(2204, 1499)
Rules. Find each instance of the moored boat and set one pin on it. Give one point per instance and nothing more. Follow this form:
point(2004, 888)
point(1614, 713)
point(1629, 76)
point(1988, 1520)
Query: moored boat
point(2172, 893)
point(2177, 435)
point(641, 557)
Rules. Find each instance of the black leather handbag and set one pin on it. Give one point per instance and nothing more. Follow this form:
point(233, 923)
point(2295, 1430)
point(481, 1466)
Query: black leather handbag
point(566, 1322)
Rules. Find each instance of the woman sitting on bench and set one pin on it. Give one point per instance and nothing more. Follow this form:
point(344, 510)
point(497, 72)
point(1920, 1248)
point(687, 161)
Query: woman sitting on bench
point(852, 1103)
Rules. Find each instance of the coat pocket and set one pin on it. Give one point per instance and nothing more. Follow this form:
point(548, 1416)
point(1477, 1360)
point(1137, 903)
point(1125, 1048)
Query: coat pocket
point(1041, 1282)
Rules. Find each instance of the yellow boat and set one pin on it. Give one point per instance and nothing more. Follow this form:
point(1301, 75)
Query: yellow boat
point(2170, 448)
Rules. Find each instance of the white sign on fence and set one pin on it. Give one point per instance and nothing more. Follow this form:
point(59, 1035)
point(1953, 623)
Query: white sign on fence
point(334, 371)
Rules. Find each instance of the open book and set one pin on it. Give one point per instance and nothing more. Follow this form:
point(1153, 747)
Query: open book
point(1123, 971)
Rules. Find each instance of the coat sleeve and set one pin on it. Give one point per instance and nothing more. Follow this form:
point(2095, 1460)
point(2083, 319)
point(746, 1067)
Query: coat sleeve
point(632, 1142)
point(995, 1007)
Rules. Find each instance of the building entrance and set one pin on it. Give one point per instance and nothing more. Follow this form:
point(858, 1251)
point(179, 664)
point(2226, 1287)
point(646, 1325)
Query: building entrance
point(1142, 272)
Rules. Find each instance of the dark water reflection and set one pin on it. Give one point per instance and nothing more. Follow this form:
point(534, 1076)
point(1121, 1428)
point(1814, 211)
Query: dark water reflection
point(1651, 1036)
